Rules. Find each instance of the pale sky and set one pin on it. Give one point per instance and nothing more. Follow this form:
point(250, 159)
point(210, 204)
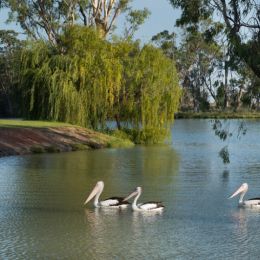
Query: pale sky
point(162, 17)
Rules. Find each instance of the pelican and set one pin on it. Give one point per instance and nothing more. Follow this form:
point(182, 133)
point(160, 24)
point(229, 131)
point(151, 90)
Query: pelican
point(147, 206)
point(252, 203)
point(113, 202)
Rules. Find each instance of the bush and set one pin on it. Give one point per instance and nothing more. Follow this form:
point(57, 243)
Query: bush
point(37, 149)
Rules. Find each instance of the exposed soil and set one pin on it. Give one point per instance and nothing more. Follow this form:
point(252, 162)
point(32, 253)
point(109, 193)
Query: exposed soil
point(26, 140)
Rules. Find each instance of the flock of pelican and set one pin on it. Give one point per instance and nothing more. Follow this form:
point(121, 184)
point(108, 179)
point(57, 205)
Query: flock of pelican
point(120, 202)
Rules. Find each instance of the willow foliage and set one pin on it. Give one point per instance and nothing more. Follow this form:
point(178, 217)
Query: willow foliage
point(76, 82)
point(87, 81)
point(150, 92)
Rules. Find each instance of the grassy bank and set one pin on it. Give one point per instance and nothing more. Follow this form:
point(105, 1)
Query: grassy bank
point(25, 137)
point(219, 115)
point(30, 123)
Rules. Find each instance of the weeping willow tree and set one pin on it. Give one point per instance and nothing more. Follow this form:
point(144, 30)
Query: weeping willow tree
point(86, 80)
point(150, 92)
point(76, 82)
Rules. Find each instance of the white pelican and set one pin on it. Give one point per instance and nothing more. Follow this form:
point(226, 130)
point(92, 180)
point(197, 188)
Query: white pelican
point(147, 206)
point(113, 202)
point(252, 203)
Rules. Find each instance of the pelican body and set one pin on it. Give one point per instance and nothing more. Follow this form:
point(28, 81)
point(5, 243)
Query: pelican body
point(113, 202)
point(250, 203)
point(147, 206)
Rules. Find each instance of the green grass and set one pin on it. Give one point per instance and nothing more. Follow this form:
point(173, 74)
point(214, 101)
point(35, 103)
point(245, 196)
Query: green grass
point(118, 139)
point(79, 147)
point(37, 149)
point(52, 149)
point(119, 143)
point(29, 123)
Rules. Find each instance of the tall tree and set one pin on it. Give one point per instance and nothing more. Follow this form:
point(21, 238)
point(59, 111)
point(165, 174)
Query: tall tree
point(166, 41)
point(9, 60)
point(102, 14)
point(198, 62)
point(241, 19)
point(134, 19)
point(37, 17)
point(242, 28)
point(41, 18)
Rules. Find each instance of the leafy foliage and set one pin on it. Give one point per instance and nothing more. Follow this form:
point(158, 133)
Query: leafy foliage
point(9, 93)
point(150, 93)
point(135, 18)
point(242, 24)
point(87, 80)
point(223, 131)
point(46, 19)
point(165, 41)
point(76, 82)
point(198, 61)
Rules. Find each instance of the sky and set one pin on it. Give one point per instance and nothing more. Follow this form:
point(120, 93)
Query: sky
point(162, 17)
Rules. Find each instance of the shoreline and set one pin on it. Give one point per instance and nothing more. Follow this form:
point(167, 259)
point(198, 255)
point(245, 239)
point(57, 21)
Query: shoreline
point(217, 115)
point(21, 137)
point(18, 140)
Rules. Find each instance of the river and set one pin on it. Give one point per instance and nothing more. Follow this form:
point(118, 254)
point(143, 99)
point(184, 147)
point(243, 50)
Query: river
point(41, 200)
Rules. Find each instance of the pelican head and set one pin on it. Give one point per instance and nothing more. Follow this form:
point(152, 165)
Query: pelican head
point(96, 191)
point(241, 190)
point(137, 190)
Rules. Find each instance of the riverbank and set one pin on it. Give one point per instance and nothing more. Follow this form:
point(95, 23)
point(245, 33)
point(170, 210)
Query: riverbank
point(218, 115)
point(19, 137)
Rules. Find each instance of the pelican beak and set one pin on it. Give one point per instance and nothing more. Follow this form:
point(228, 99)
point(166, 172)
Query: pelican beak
point(131, 195)
point(92, 194)
point(239, 190)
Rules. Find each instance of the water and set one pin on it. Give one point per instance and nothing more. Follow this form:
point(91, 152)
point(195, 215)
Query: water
point(42, 214)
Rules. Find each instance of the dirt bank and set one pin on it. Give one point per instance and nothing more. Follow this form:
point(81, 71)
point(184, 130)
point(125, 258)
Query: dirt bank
point(27, 140)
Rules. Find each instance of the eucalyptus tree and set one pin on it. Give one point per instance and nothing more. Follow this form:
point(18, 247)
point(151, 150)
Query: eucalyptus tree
point(167, 42)
point(41, 18)
point(241, 19)
point(134, 19)
point(242, 28)
point(102, 14)
point(197, 58)
point(247, 92)
point(37, 18)
point(9, 70)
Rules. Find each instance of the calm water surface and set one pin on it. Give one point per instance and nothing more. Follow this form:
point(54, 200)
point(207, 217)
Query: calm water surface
point(42, 214)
